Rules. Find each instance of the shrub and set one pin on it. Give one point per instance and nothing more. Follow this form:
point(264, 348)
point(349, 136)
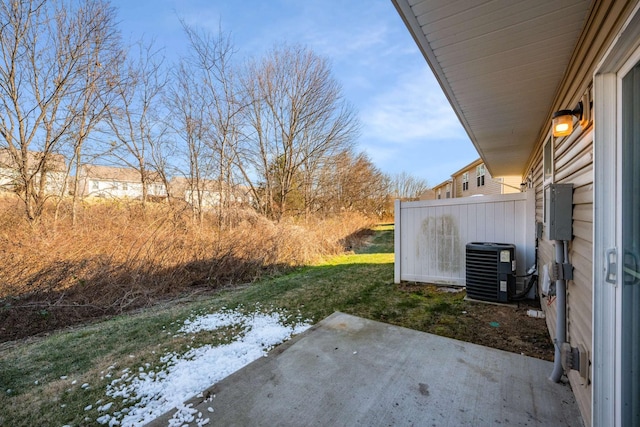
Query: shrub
point(120, 256)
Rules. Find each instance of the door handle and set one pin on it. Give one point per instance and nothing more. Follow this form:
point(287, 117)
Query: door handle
point(611, 260)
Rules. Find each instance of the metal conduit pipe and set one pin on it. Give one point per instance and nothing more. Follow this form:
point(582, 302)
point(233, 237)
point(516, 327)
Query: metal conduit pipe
point(561, 313)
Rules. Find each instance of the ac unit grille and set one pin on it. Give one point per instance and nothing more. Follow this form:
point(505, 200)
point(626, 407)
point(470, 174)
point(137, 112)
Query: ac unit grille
point(485, 271)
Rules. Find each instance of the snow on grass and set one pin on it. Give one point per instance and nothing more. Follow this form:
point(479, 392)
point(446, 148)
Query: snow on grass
point(152, 393)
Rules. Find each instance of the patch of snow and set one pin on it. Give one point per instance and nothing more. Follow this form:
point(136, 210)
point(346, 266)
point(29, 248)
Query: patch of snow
point(104, 419)
point(153, 393)
point(105, 407)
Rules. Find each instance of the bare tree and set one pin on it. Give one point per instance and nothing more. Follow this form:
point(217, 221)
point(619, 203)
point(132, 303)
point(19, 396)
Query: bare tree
point(96, 94)
point(186, 104)
point(132, 118)
point(210, 60)
point(296, 116)
point(46, 50)
point(406, 186)
point(351, 182)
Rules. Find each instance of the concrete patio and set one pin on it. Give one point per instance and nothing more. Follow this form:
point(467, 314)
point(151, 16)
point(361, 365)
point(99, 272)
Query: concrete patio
point(349, 371)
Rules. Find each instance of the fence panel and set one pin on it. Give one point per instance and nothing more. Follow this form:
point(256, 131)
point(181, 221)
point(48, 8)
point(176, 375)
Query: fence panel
point(431, 235)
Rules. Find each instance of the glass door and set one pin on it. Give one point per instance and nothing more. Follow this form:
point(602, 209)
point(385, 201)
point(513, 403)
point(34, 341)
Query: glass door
point(630, 221)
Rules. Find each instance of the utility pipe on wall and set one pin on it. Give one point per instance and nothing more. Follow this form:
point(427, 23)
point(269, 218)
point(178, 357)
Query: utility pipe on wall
point(561, 312)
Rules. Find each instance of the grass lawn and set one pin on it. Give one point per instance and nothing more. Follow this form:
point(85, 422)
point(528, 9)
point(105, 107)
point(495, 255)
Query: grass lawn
point(41, 379)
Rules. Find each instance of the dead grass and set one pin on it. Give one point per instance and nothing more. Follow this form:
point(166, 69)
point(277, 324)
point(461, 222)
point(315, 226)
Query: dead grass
point(120, 256)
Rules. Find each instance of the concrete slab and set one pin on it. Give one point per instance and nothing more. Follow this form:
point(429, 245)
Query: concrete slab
point(348, 371)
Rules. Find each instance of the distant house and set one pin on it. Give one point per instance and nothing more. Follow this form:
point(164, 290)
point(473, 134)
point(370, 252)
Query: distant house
point(207, 191)
point(117, 183)
point(475, 179)
point(472, 180)
point(442, 190)
point(55, 171)
point(191, 191)
point(428, 194)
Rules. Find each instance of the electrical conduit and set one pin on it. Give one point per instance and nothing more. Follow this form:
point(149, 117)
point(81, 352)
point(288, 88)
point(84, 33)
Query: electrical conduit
point(561, 313)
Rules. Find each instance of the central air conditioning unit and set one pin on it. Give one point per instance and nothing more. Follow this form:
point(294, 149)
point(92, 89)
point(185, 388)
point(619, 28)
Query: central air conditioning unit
point(490, 271)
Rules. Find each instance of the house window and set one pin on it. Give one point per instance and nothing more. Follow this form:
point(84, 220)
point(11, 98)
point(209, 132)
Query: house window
point(465, 181)
point(448, 195)
point(480, 171)
point(547, 172)
point(548, 160)
point(439, 194)
point(125, 186)
point(115, 186)
point(95, 185)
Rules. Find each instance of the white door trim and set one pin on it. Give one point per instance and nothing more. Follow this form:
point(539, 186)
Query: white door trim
point(604, 293)
point(607, 315)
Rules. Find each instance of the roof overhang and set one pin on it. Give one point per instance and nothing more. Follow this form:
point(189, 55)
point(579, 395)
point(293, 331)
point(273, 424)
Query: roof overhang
point(500, 64)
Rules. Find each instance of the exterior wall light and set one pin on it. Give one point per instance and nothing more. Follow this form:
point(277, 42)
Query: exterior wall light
point(562, 121)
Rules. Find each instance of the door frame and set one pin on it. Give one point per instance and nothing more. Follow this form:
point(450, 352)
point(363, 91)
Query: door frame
point(607, 297)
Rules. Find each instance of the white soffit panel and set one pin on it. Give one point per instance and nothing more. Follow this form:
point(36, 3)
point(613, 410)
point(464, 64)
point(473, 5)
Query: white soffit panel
point(500, 64)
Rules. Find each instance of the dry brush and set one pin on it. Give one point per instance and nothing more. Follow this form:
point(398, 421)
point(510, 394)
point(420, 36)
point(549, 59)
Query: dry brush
point(120, 256)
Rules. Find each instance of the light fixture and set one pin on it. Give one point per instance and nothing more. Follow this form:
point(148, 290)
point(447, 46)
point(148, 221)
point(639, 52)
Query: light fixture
point(562, 121)
point(527, 183)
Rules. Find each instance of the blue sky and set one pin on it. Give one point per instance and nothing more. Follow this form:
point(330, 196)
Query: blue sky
point(407, 123)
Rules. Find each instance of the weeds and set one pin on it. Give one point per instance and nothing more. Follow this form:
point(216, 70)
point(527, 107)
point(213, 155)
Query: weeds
point(119, 257)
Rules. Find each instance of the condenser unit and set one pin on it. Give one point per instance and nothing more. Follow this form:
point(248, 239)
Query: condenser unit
point(490, 271)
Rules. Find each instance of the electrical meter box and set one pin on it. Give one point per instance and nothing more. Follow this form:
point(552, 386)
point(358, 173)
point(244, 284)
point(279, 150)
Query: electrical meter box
point(558, 211)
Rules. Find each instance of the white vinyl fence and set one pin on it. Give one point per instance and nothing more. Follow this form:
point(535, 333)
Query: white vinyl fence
point(431, 235)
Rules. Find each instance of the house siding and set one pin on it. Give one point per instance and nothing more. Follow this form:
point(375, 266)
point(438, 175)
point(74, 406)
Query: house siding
point(441, 190)
point(573, 163)
point(511, 184)
point(55, 174)
point(491, 186)
point(116, 183)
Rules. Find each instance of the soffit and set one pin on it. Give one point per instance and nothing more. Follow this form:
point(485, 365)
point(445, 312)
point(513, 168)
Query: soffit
point(500, 64)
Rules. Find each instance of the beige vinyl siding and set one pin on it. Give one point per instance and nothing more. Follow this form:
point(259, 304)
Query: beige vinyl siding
point(457, 186)
point(442, 189)
point(491, 185)
point(573, 163)
point(606, 18)
point(473, 184)
point(511, 184)
point(473, 188)
point(573, 157)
